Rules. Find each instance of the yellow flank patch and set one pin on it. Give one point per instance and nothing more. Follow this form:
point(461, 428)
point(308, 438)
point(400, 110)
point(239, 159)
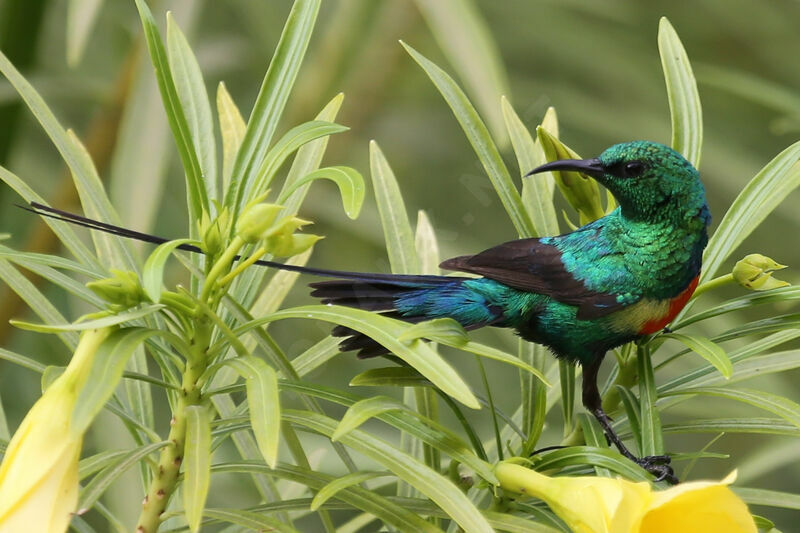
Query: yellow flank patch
point(634, 317)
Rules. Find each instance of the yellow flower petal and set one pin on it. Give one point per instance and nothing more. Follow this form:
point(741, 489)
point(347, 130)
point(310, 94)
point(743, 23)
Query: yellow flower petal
point(605, 505)
point(39, 473)
point(699, 507)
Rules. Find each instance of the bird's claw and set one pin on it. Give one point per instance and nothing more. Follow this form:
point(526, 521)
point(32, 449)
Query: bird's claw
point(658, 465)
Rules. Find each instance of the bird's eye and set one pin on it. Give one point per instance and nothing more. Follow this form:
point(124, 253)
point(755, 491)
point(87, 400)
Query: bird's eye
point(633, 169)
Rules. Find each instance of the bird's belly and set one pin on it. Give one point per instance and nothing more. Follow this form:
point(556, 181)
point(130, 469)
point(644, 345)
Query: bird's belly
point(650, 316)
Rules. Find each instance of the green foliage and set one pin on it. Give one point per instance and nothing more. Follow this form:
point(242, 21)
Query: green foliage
point(246, 403)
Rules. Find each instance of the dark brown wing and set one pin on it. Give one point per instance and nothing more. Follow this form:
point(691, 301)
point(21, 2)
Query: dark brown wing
point(533, 266)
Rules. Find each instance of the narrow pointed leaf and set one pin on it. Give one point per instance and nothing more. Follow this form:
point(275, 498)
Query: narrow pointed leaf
point(761, 195)
point(769, 498)
point(434, 485)
point(153, 271)
point(363, 410)
point(105, 374)
point(481, 142)
point(444, 330)
point(394, 218)
point(195, 188)
point(263, 400)
point(329, 491)
point(191, 91)
point(684, 100)
point(271, 99)
point(427, 245)
point(390, 376)
point(196, 464)
point(386, 331)
point(231, 128)
point(349, 181)
point(708, 350)
point(106, 321)
point(249, 520)
point(93, 490)
point(537, 191)
point(464, 36)
point(783, 407)
point(286, 146)
point(81, 16)
point(652, 439)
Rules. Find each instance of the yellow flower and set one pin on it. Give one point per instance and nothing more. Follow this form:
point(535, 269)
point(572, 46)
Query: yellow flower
point(39, 473)
point(605, 505)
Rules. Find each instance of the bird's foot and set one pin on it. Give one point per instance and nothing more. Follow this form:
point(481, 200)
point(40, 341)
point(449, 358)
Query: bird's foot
point(658, 465)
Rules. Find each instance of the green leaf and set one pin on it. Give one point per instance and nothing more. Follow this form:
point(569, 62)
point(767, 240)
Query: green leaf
point(537, 191)
point(444, 330)
point(595, 437)
point(153, 271)
point(97, 486)
point(106, 321)
point(286, 146)
point(652, 439)
point(231, 128)
point(261, 383)
point(742, 302)
point(429, 482)
point(309, 156)
point(383, 508)
point(363, 410)
point(197, 198)
point(464, 36)
point(196, 464)
point(386, 331)
point(105, 374)
point(36, 301)
point(81, 16)
point(580, 190)
point(499, 355)
point(783, 407)
point(566, 373)
point(271, 99)
point(426, 245)
point(761, 195)
point(769, 498)
point(770, 426)
point(349, 181)
point(631, 405)
point(481, 142)
point(249, 520)
point(684, 101)
point(390, 376)
point(392, 210)
point(63, 230)
point(590, 456)
point(329, 491)
point(87, 182)
point(708, 350)
point(191, 91)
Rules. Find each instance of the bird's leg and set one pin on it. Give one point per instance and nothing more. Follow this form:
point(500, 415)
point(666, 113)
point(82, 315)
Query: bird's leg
point(658, 465)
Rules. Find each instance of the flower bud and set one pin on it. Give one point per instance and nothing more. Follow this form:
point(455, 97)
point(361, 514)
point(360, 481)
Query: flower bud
point(754, 272)
point(39, 472)
point(211, 231)
point(283, 245)
point(256, 221)
point(122, 289)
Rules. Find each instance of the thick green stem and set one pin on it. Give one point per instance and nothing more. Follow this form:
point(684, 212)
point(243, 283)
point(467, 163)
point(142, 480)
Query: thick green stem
point(713, 284)
point(166, 475)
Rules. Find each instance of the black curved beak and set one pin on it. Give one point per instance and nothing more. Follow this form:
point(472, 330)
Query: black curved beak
point(592, 167)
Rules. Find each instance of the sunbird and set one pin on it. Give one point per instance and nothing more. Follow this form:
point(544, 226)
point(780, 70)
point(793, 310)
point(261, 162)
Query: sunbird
point(615, 280)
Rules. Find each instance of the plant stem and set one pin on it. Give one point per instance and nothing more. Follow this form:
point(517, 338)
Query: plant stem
point(166, 476)
point(713, 284)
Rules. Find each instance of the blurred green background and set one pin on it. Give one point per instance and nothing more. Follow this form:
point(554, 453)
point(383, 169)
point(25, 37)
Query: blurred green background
point(596, 62)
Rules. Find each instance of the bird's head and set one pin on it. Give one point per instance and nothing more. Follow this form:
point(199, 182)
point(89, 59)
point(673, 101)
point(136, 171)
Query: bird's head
point(649, 180)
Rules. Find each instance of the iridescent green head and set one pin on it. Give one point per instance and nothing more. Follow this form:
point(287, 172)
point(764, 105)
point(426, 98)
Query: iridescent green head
point(649, 180)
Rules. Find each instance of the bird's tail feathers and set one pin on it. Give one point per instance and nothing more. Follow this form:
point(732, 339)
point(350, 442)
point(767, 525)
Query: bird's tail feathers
point(362, 290)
